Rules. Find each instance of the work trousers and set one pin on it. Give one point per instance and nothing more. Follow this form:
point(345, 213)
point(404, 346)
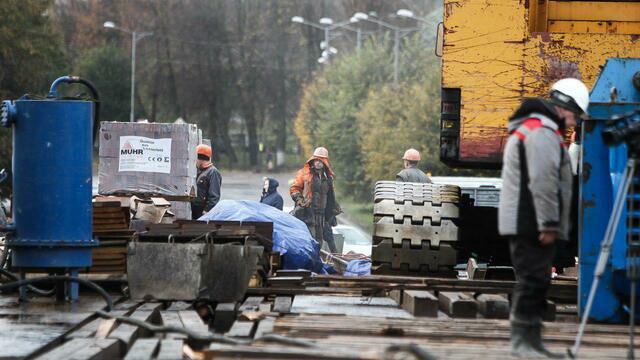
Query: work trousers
point(532, 264)
point(321, 231)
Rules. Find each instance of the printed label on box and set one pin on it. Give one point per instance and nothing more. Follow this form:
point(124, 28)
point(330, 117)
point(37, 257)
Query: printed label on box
point(143, 154)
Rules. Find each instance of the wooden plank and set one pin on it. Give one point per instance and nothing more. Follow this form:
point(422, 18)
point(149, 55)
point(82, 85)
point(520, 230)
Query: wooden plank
point(493, 306)
point(265, 326)
point(305, 274)
point(87, 330)
point(170, 350)
point(396, 295)
point(129, 333)
point(179, 305)
point(251, 303)
point(241, 329)
point(192, 321)
point(420, 303)
point(288, 281)
point(81, 349)
point(457, 305)
point(550, 311)
point(171, 318)
point(224, 317)
point(143, 349)
point(282, 304)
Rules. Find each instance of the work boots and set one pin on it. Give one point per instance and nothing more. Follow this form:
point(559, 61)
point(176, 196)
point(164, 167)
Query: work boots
point(526, 341)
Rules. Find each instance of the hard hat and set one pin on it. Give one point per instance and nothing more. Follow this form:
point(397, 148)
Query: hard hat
point(321, 152)
point(205, 150)
point(571, 94)
point(411, 155)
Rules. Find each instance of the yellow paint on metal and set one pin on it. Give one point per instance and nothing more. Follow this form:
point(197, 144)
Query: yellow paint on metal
point(491, 54)
point(594, 27)
point(594, 10)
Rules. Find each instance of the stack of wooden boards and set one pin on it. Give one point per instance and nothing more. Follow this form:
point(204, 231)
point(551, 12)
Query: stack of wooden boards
point(111, 228)
point(415, 227)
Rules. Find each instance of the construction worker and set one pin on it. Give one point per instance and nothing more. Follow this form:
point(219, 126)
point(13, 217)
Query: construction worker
point(209, 181)
point(534, 203)
point(411, 173)
point(270, 195)
point(314, 196)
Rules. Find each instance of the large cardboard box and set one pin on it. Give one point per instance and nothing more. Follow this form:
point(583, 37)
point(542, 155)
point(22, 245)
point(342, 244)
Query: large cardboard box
point(148, 159)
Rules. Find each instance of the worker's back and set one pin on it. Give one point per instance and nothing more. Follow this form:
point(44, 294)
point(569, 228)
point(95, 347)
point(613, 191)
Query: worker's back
point(412, 174)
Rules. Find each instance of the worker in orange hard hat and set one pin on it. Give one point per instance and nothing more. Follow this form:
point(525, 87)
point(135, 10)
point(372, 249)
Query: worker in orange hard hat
point(209, 181)
point(314, 195)
point(411, 173)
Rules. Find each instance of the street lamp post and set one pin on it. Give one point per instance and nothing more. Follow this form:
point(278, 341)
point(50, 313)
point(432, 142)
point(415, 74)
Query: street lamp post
point(360, 16)
point(326, 25)
point(135, 37)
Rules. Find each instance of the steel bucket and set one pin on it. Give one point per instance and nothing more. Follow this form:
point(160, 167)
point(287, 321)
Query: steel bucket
point(190, 271)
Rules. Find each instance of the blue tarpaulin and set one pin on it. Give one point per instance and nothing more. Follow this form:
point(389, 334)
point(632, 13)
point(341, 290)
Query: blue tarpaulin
point(358, 268)
point(291, 237)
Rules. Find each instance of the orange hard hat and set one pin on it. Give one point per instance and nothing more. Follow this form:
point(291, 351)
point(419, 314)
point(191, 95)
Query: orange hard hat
point(411, 155)
point(321, 152)
point(205, 150)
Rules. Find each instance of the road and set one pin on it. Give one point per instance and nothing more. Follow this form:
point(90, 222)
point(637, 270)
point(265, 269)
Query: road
point(244, 185)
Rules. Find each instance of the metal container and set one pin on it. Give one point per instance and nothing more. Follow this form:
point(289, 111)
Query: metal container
point(52, 173)
point(172, 271)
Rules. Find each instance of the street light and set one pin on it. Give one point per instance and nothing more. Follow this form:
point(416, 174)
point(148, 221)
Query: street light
point(135, 37)
point(410, 15)
point(326, 24)
point(360, 16)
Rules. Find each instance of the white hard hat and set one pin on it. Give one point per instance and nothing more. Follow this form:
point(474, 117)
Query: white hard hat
point(571, 94)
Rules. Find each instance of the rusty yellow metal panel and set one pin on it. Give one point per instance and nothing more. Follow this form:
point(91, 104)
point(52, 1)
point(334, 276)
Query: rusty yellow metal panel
point(594, 27)
point(484, 57)
point(594, 10)
point(493, 57)
point(552, 56)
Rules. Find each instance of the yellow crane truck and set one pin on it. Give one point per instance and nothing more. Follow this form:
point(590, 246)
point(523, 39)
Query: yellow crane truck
point(496, 52)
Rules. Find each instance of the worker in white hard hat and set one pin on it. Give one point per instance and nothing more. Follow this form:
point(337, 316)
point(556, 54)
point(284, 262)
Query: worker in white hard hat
point(535, 201)
point(411, 173)
point(315, 199)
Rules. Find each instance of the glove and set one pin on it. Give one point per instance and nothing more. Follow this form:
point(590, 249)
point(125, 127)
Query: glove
point(298, 199)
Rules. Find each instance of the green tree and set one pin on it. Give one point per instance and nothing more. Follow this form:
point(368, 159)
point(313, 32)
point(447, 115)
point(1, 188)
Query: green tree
point(327, 115)
point(108, 69)
point(30, 55)
point(367, 122)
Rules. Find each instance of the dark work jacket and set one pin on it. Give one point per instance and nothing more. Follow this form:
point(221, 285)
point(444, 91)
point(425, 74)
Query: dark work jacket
point(271, 196)
point(209, 181)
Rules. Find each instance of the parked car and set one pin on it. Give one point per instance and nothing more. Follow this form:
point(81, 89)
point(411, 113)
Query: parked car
point(351, 239)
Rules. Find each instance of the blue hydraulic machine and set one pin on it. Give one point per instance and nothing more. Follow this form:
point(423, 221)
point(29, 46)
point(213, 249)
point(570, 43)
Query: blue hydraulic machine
point(609, 205)
point(53, 140)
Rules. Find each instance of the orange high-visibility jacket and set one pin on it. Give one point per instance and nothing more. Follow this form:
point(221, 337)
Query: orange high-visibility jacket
point(304, 179)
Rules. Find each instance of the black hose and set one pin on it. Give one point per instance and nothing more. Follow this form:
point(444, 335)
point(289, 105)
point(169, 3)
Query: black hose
point(91, 285)
point(413, 349)
point(197, 336)
point(96, 100)
point(31, 288)
point(171, 329)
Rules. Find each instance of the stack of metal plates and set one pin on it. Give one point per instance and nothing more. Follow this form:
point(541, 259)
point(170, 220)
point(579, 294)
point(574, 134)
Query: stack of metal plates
point(415, 227)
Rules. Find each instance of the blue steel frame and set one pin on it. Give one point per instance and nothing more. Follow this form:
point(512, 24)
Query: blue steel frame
point(602, 167)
